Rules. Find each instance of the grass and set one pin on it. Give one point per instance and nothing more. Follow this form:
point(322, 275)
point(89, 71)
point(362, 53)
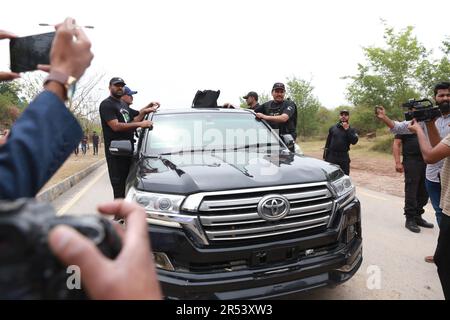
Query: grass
point(365, 147)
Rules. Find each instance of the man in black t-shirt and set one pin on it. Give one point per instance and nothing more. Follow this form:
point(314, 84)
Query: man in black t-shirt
point(281, 114)
point(118, 123)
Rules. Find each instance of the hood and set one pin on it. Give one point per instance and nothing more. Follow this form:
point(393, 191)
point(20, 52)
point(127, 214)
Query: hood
point(215, 171)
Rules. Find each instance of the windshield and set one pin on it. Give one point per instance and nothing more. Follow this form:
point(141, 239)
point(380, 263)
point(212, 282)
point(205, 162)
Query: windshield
point(189, 132)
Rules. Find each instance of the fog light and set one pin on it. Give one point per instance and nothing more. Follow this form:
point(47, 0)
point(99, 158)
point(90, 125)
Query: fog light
point(162, 261)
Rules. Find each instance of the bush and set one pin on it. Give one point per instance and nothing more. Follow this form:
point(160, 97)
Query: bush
point(384, 144)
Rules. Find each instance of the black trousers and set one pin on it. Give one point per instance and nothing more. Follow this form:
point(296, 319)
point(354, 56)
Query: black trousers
point(95, 149)
point(442, 255)
point(118, 169)
point(341, 159)
point(416, 195)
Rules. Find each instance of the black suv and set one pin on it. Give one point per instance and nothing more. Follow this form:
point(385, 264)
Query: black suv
point(233, 214)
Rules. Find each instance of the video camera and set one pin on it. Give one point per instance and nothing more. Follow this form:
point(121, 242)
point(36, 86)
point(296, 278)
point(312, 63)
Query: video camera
point(424, 110)
point(28, 268)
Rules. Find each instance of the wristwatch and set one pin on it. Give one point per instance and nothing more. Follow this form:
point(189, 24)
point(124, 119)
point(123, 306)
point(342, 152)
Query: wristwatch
point(68, 82)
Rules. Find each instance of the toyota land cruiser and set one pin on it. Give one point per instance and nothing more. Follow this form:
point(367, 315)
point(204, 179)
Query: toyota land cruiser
point(233, 214)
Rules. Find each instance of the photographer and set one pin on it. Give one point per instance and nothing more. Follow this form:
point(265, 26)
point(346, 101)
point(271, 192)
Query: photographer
point(431, 155)
point(131, 276)
point(432, 181)
point(340, 137)
point(34, 152)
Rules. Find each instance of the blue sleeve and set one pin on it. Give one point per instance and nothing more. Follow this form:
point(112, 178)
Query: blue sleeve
point(41, 140)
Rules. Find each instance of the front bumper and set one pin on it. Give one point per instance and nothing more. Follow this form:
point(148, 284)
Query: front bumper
point(234, 272)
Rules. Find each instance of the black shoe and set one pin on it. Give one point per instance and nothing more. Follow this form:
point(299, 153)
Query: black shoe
point(411, 225)
point(421, 222)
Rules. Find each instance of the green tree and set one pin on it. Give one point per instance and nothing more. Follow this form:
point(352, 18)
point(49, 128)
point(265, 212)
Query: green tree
point(391, 75)
point(325, 119)
point(10, 103)
point(301, 92)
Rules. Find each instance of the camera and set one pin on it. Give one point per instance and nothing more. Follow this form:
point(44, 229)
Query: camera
point(28, 268)
point(424, 110)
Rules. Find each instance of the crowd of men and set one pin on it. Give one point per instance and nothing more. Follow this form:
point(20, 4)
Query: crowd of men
point(426, 164)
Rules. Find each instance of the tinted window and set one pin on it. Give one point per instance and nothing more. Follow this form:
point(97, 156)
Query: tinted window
point(175, 132)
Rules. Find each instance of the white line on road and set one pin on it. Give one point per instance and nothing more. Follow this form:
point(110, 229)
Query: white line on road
point(371, 195)
point(77, 197)
point(385, 199)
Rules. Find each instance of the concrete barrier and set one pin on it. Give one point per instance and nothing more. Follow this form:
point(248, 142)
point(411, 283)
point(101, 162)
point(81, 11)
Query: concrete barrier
point(55, 191)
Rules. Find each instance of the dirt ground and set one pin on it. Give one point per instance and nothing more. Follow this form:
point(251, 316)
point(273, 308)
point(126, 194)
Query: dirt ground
point(372, 172)
point(74, 164)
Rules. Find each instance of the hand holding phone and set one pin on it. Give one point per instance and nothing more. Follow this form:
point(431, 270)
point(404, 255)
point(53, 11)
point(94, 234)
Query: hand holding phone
point(27, 52)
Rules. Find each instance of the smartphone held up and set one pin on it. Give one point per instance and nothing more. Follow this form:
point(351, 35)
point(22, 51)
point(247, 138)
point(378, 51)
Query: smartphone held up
point(27, 52)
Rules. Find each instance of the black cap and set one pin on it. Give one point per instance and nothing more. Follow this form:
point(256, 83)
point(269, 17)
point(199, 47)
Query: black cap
point(278, 85)
point(344, 111)
point(251, 94)
point(116, 80)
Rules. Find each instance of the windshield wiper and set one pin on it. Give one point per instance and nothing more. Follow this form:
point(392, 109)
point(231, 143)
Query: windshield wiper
point(183, 151)
point(256, 145)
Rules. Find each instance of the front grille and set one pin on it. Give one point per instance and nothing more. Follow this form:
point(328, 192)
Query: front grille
point(234, 216)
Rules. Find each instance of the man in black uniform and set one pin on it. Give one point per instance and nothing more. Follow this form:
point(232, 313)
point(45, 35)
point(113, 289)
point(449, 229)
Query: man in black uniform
point(251, 99)
point(416, 195)
point(119, 122)
point(95, 142)
point(281, 114)
point(340, 136)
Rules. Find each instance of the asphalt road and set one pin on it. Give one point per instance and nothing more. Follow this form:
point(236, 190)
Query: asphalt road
point(393, 266)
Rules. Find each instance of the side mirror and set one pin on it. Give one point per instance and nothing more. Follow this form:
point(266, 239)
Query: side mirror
point(121, 148)
point(289, 141)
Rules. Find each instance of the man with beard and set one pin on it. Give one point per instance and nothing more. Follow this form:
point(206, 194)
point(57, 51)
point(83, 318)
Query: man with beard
point(340, 137)
point(119, 122)
point(442, 124)
point(281, 114)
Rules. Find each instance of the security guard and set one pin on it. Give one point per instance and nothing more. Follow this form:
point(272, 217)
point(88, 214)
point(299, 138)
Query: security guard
point(281, 114)
point(340, 136)
point(416, 195)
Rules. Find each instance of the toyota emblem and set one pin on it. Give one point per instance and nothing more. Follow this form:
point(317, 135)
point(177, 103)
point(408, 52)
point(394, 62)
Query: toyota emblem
point(273, 207)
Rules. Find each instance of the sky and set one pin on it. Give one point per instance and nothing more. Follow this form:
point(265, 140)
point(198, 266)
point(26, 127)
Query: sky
point(168, 49)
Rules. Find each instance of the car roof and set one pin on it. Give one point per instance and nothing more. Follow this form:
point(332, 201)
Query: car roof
point(162, 111)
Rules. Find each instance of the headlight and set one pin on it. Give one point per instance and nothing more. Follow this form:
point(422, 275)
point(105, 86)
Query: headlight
point(342, 186)
point(162, 209)
point(155, 202)
point(345, 191)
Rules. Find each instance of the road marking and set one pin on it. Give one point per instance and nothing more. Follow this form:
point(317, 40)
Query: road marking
point(371, 195)
point(77, 197)
point(385, 199)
